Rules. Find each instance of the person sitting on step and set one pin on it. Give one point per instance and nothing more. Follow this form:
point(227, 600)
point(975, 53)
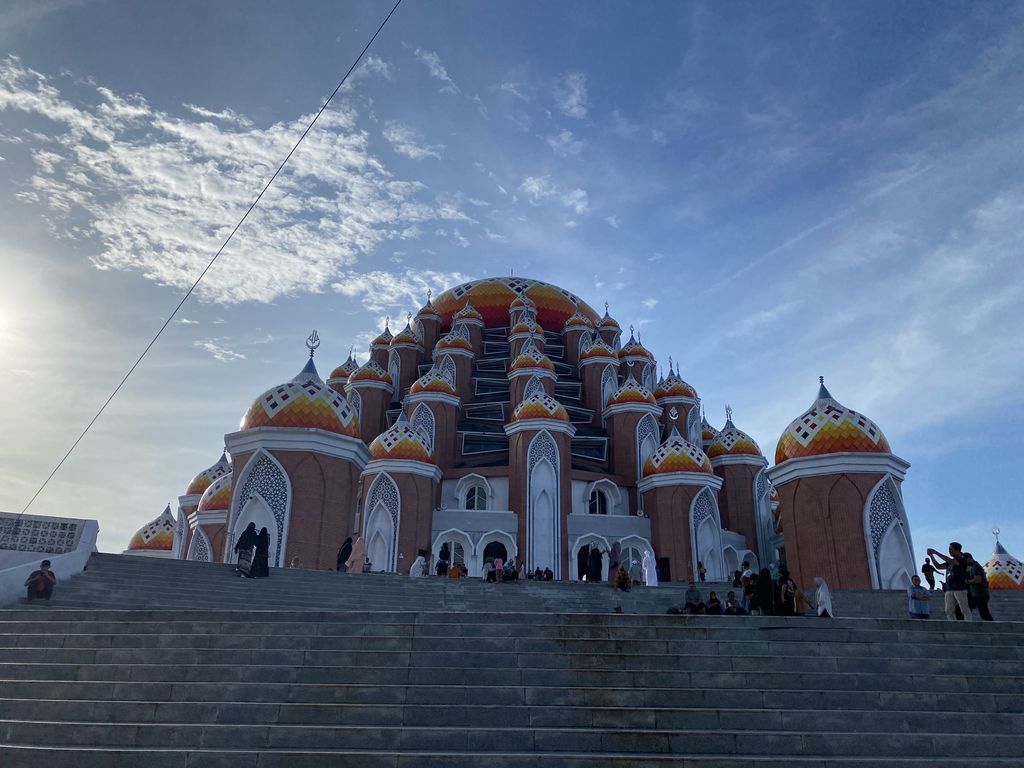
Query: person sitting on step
point(40, 582)
point(693, 602)
point(733, 606)
point(714, 606)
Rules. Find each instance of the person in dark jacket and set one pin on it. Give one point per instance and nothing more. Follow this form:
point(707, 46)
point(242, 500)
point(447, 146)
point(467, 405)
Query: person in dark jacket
point(261, 560)
point(594, 566)
point(243, 549)
point(344, 554)
point(765, 593)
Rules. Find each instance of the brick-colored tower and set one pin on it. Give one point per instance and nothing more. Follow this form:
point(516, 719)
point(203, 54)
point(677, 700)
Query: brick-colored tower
point(189, 502)
point(634, 433)
point(737, 459)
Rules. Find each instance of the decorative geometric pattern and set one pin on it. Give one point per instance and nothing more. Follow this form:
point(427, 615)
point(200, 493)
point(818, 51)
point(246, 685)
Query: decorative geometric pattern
point(179, 533)
point(345, 370)
point(268, 481)
point(370, 371)
point(217, 496)
point(534, 387)
point(355, 401)
point(402, 441)
point(395, 367)
point(531, 357)
point(427, 311)
point(468, 312)
point(703, 508)
point(437, 379)
point(155, 536)
point(493, 298)
point(674, 386)
point(38, 534)
point(540, 406)
point(199, 549)
point(677, 455)
point(524, 326)
point(423, 422)
point(707, 431)
point(385, 492)
point(883, 513)
point(448, 370)
point(202, 481)
point(828, 427)
point(457, 338)
point(632, 391)
point(732, 442)
point(384, 339)
point(542, 447)
point(304, 402)
point(522, 301)
point(406, 336)
point(633, 348)
point(693, 430)
point(578, 321)
point(608, 323)
point(597, 348)
point(609, 383)
point(1003, 570)
point(648, 433)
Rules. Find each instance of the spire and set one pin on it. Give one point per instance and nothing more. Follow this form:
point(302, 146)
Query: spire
point(728, 416)
point(823, 393)
point(312, 342)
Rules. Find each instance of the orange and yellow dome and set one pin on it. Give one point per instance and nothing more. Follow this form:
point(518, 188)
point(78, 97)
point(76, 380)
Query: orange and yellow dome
point(402, 441)
point(155, 536)
point(432, 381)
point(453, 340)
point(578, 321)
point(634, 348)
point(707, 431)
point(677, 455)
point(524, 326)
point(370, 371)
point(631, 391)
point(384, 339)
point(674, 386)
point(344, 370)
point(597, 348)
point(304, 402)
point(468, 312)
point(406, 336)
point(608, 323)
point(540, 406)
point(493, 298)
point(203, 480)
point(1003, 570)
point(531, 357)
point(217, 497)
point(733, 442)
point(828, 427)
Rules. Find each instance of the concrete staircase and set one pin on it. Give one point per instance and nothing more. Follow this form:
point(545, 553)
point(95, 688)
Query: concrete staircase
point(157, 663)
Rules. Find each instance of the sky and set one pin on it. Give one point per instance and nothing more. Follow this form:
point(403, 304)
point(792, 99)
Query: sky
point(767, 192)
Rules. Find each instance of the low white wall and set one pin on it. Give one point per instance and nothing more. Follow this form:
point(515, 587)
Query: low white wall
point(16, 565)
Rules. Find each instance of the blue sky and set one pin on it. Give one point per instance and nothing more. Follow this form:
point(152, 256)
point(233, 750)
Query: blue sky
point(769, 192)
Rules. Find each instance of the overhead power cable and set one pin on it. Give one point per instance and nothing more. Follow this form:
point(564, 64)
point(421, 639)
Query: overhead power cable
point(202, 274)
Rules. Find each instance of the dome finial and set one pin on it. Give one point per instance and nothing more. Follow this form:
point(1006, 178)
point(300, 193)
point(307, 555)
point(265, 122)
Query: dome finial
point(821, 380)
point(728, 413)
point(312, 342)
point(822, 390)
point(996, 532)
point(429, 294)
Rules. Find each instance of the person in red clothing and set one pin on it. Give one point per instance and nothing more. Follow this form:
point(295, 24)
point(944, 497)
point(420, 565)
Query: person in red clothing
point(40, 583)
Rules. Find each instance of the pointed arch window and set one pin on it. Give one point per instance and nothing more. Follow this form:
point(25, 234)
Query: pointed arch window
point(598, 503)
point(476, 498)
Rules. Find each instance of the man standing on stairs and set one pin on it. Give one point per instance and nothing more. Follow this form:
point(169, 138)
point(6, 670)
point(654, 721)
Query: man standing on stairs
point(929, 572)
point(977, 585)
point(954, 588)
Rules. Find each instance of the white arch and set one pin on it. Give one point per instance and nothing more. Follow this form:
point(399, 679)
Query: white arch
point(383, 515)
point(586, 341)
point(356, 401)
point(423, 420)
point(589, 539)
point(543, 519)
point(647, 377)
point(395, 372)
point(262, 476)
point(473, 480)
point(502, 537)
point(257, 511)
point(887, 537)
point(694, 431)
point(463, 538)
point(607, 487)
point(609, 383)
point(200, 550)
point(706, 535)
point(448, 371)
point(180, 534)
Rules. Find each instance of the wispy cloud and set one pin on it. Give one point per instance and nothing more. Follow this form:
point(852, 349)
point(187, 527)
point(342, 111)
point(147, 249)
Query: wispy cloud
point(379, 291)
point(565, 144)
point(218, 350)
point(570, 93)
point(406, 141)
point(538, 189)
point(437, 70)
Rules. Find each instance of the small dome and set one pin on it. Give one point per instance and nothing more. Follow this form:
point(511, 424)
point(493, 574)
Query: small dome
point(732, 442)
point(155, 536)
point(631, 391)
point(524, 326)
point(427, 311)
point(578, 321)
point(597, 348)
point(467, 313)
point(385, 337)
point(540, 406)
point(676, 455)
point(401, 441)
point(707, 431)
point(344, 370)
point(634, 348)
point(607, 322)
point(217, 497)
point(1003, 570)
point(433, 381)
point(406, 336)
point(828, 427)
point(531, 357)
point(304, 402)
point(370, 371)
point(454, 340)
point(522, 301)
point(674, 386)
point(202, 481)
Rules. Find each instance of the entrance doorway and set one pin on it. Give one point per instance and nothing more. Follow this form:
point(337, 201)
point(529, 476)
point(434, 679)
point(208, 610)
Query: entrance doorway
point(495, 549)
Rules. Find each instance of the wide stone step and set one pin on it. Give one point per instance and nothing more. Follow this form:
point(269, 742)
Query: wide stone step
point(510, 739)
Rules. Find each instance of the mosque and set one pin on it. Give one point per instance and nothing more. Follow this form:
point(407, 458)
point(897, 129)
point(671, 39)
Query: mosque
point(508, 418)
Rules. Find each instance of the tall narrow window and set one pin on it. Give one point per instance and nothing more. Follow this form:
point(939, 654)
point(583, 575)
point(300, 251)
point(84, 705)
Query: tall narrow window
point(598, 504)
point(476, 498)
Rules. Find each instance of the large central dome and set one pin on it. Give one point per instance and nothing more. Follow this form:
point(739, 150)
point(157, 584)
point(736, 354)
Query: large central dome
point(492, 297)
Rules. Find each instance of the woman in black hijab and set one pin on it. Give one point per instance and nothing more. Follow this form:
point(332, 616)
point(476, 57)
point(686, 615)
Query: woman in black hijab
point(344, 554)
point(243, 549)
point(594, 566)
point(261, 561)
point(765, 593)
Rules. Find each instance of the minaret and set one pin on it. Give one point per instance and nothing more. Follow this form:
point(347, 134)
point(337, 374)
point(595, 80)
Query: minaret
point(339, 376)
point(839, 488)
point(608, 329)
point(189, 501)
point(457, 346)
point(473, 322)
point(428, 325)
point(576, 327)
point(673, 392)
point(433, 407)
point(380, 346)
point(369, 390)
point(737, 459)
point(598, 364)
point(531, 363)
point(404, 357)
point(630, 443)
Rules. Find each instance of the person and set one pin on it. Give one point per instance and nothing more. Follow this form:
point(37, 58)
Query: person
point(521, 573)
point(737, 579)
point(918, 597)
point(977, 586)
point(692, 601)
point(456, 571)
point(344, 553)
point(801, 602)
point(732, 606)
point(614, 558)
point(40, 583)
point(954, 588)
point(764, 594)
point(243, 550)
point(499, 570)
point(296, 562)
point(702, 572)
point(549, 575)
point(444, 557)
point(261, 560)
point(714, 605)
point(823, 598)
point(650, 569)
point(623, 580)
point(417, 567)
point(594, 565)
point(509, 572)
point(538, 574)
point(787, 594)
point(357, 560)
point(929, 572)
point(367, 566)
point(489, 570)
point(582, 562)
